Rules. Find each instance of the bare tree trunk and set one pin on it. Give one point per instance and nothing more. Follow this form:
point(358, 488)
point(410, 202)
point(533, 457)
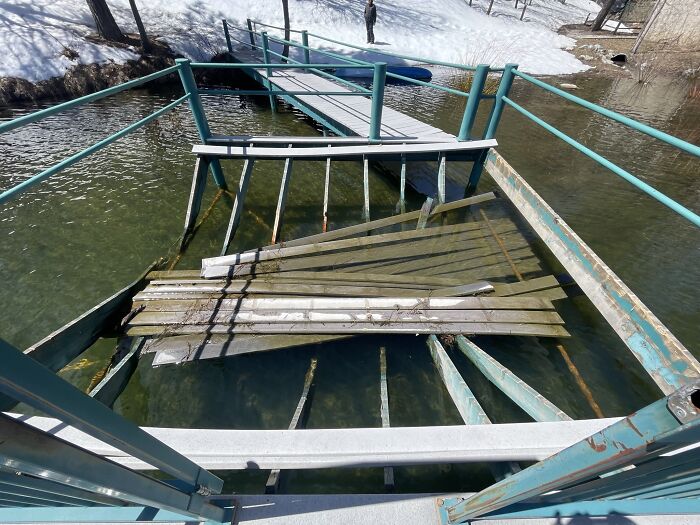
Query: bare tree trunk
point(287, 34)
point(106, 26)
point(600, 19)
point(658, 6)
point(145, 43)
point(488, 11)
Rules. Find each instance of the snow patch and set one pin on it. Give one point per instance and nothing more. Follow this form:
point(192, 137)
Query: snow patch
point(37, 33)
point(43, 39)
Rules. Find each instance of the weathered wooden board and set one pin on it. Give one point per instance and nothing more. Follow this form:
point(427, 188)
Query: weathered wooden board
point(358, 317)
point(357, 329)
point(424, 250)
point(393, 303)
point(362, 228)
point(395, 238)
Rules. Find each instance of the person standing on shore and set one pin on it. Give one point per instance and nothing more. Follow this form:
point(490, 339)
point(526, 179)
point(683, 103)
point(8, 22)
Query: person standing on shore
point(370, 19)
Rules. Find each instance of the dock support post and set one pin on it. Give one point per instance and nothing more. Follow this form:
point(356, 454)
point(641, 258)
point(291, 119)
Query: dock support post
point(251, 34)
point(227, 35)
point(238, 204)
point(478, 82)
point(378, 83)
point(442, 169)
point(200, 118)
point(365, 184)
point(326, 193)
point(492, 124)
point(199, 183)
point(282, 199)
point(389, 484)
point(305, 43)
point(266, 60)
point(402, 188)
point(298, 420)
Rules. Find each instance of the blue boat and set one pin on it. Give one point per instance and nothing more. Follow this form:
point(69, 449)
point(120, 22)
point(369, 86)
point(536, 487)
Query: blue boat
point(413, 72)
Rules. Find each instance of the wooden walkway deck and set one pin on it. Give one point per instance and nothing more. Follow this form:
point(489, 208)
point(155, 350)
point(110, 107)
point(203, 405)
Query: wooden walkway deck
point(351, 114)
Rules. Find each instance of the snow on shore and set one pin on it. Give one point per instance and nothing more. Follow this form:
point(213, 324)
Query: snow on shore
point(36, 33)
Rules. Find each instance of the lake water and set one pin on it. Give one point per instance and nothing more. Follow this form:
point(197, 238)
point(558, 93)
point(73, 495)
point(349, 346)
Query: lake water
point(76, 238)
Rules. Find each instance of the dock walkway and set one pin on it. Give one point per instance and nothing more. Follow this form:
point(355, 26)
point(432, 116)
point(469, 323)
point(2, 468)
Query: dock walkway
point(349, 115)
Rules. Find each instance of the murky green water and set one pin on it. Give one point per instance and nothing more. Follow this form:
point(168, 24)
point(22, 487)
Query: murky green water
point(79, 236)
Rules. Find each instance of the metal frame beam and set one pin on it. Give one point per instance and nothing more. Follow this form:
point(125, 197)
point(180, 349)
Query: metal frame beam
point(661, 354)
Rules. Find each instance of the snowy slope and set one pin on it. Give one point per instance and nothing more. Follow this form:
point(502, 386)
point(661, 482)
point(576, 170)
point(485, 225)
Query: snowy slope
point(36, 32)
point(34, 36)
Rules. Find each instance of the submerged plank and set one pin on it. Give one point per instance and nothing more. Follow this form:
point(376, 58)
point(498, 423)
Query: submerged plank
point(181, 349)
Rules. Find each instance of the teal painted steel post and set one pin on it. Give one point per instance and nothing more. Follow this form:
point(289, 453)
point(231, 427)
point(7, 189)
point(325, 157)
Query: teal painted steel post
point(305, 43)
point(493, 120)
point(498, 103)
point(266, 60)
point(251, 34)
point(228, 36)
point(24, 379)
point(200, 118)
point(378, 84)
point(266, 52)
point(478, 82)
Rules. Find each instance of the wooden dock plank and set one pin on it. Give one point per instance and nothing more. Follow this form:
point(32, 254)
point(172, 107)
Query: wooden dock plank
point(358, 317)
point(539, 330)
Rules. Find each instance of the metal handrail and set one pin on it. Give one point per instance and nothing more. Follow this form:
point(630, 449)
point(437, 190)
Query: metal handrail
point(275, 27)
point(631, 123)
point(39, 115)
point(646, 188)
point(404, 57)
point(24, 185)
point(356, 64)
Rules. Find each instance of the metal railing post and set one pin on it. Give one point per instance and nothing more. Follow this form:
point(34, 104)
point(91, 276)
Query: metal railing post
point(498, 104)
point(491, 126)
point(378, 84)
point(478, 82)
point(266, 52)
point(305, 42)
point(266, 60)
point(227, 35)
point(25, 380)
point(251, 34)
point(200, 118)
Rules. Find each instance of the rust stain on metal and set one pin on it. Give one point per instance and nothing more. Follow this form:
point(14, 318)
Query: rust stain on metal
point(598, 447)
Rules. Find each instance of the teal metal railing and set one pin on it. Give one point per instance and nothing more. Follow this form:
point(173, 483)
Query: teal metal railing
point(500, 100)
point(473, 96)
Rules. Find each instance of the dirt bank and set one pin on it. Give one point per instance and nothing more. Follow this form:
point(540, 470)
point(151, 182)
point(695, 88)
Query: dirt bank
point(83, 79)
